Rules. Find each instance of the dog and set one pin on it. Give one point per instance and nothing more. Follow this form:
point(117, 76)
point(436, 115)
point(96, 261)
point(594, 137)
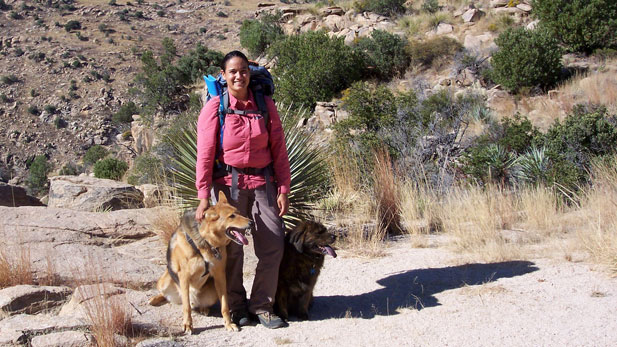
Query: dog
point(303, 257)
point(196, 258)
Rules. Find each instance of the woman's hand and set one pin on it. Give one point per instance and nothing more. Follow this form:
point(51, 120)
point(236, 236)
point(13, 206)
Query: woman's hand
point(283, 202)
point(204, 204)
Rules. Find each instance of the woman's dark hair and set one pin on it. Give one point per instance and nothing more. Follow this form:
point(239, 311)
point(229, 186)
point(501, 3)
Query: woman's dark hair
point(233, 54)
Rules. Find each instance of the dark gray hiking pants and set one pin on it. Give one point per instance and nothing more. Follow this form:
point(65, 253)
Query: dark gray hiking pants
point(268, 239)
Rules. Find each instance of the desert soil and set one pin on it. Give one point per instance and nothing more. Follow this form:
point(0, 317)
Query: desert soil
point(430, 297)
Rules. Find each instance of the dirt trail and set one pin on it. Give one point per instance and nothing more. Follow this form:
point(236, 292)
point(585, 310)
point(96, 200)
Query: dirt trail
point(419, 297)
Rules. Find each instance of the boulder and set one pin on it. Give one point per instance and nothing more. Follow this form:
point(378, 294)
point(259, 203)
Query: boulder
point(14, 196)
point(159, 342)
point(31, 299)
point(472, 15)
point(119, 244)
point(524, 7)
point(63, 339)
point(444, 28)
point(153, 194)
point(479, 43)
point(85, 296)
point(532, 25)
point(19, 329)
point(335, 23)
point(332, 10)
point(499, 3)
point(92, 194)
point(143, 136)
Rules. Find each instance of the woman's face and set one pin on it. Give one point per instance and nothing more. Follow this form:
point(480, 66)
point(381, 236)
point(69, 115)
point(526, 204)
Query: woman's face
point(237, 75)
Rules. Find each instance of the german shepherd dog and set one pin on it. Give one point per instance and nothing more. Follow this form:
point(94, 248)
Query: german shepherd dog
point(303, 258)
point(196, 258)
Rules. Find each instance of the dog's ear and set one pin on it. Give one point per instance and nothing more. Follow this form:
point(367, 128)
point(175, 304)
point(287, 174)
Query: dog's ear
point(222, 197)
point(211, 215)
point(297, 239)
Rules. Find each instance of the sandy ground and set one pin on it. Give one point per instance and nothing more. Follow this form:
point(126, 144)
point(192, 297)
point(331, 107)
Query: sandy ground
point(421, 297)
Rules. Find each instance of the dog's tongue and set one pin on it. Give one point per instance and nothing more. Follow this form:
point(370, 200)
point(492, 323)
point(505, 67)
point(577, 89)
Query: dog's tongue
point(240, 237)
point(329, 251)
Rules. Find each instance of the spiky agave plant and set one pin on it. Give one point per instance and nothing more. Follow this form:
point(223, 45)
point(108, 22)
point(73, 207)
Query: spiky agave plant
point(306, 161)
point(532, 166)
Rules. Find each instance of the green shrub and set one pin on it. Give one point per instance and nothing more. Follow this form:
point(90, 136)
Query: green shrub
point(386, 53)
point(582, 25)
point(37, 174)
point(221, 14)
point(570, 145)
point(4, 6)
point(383, 7)
point(94, 154)
point(72, 25)
point(147, 168)
point(32, 109)
point(51, 109)
point(162, 82)
point(257, 35)
point(9, 79)
point(526, 58)
point(69, 170)
point(110, 168)
point(125, 113)
point(371, 109)
point(59, 122)
point(430, 6)
point(427, 52)
point(313, 67)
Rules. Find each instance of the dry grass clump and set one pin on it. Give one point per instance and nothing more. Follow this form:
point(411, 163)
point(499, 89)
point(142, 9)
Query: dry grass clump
point(165, 221)
point(476, 218)
point(105, 306)
point(15, 267)
point(385, 190)
point(364, 240)
point(420, 210)
point(541, 210)
point(599, 213)
point(109, 314)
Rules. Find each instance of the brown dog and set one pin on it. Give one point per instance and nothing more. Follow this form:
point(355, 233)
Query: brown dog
point(196, 258)
point(305, 247)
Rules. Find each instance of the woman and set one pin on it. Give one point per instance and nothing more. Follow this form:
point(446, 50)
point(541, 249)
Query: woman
point(249, 147)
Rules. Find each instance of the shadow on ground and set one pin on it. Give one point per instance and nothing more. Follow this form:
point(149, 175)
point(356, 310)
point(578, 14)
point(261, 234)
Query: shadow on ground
point(414, 288)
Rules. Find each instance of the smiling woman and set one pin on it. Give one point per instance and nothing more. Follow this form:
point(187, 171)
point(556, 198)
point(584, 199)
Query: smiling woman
point(248, 146)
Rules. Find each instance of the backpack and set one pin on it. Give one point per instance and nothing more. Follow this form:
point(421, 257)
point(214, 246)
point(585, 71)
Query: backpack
point(261, 85)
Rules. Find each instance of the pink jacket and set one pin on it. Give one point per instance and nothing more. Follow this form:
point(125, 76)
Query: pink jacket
point(246, 143)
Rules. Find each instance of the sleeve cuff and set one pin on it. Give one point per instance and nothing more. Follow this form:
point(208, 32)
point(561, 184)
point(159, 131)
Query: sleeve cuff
point(203, 194)
point(283, 190)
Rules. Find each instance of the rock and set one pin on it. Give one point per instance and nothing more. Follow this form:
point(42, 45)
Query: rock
point(159, 342)
point(153, 195)
point(524, 7)
point(508, 10)
point(472, 15)
point(335, 23)
point(533, 24)
point(265, 4)
point(78, 244)
point(465, 78)
point(31, 299)
point(84, 296)
point(21, 327)
point(499, 3)
point(479, 43)
point(444, 28)
point(143, 136)
point(14, 196)
point(332, 10)
point(92, 194)
point(63, 339)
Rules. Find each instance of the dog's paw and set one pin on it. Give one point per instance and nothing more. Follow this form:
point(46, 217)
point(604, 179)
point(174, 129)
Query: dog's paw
point(232, 327)
point(188, 328)
point(157, 300)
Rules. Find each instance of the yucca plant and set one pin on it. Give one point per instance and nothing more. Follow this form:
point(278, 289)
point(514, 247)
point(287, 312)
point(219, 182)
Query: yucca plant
point(308, 169)
point(500, 163)
point(532, 166)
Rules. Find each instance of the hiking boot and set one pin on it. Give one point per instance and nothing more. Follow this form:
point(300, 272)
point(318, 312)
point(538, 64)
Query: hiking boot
point(271, 321)
point(240, 318)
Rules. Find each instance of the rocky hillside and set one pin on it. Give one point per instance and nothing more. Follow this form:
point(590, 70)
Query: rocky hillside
point(67, 66)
